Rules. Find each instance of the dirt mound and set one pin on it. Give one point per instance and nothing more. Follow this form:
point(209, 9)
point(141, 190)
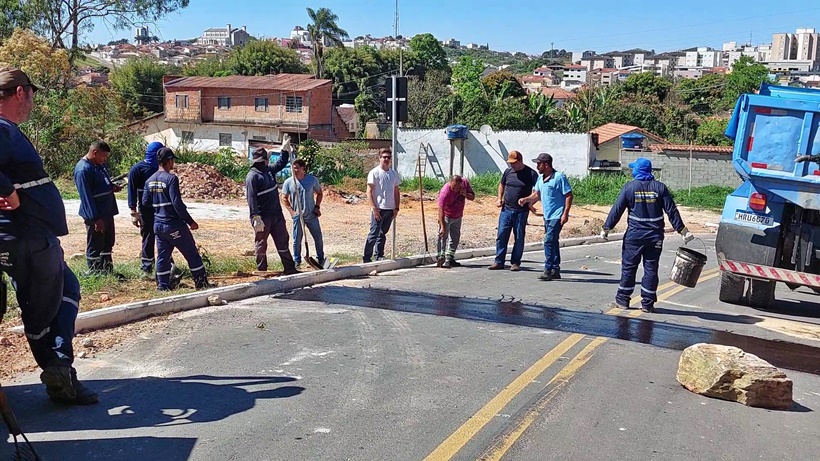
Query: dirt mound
point(200, 181)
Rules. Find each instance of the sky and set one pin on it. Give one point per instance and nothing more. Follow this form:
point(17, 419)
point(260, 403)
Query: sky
point(531, 27)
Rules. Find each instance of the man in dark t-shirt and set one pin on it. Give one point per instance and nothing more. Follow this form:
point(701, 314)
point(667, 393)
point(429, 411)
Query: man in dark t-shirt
point(516, 183)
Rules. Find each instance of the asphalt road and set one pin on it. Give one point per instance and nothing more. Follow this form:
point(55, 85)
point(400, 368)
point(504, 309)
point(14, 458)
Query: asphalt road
point(441, 364)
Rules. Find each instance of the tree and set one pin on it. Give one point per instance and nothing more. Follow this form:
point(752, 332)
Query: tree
point(64, 19)
point(46, 66)
point(323, 29)
point(348, 67)
point(710, 132)
point(503, 84)
point(263, 58)
point(510, 114)
point(466, 78)
point(366, 107)
point(543, 108)
point(139, 83)
point(746, 77)
point(15, 14)
point(213, 66)
point(647, 84)
point(424, 95)
point(704, 94)
point(429, 52)
point(122, 41)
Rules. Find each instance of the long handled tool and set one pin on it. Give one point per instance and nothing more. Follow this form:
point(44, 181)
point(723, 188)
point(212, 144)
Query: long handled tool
point(22, 452)
point(310, 260)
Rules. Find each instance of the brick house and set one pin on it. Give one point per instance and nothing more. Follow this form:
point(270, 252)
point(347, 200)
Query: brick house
point(240, 112)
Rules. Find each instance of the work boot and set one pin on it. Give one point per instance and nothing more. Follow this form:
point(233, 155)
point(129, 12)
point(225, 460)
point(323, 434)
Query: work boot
point(454, 263)
point(649, 309)
point(175, 277)
point(447, 264)
point(85, 396)
point(615, 305)
point(546, 276)
point(59, 386)
point(291, 271)
point(440, 261)
point(203, 284)
point(515, 267)
point(556, 274)
point(496, 267)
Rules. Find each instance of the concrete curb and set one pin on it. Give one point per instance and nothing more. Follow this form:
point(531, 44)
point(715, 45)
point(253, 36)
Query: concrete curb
point(125, 313)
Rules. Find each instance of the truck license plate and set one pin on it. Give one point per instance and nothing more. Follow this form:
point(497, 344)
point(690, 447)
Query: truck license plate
point(754, 218)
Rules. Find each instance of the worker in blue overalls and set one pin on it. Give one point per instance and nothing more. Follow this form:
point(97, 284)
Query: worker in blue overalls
point(98, 206)
point(647, 200)
point(172, 224)
point(32, 216)
point(143, 217)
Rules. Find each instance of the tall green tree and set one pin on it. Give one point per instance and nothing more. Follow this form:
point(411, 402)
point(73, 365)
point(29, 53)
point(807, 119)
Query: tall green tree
point(323, 29)
point(647, 84)
point(15, 14)
point(710, 132)
point(213, 66)
point(503, 84)
point(347, 67)
point(424, 95)
point(265, 57)
point(746, 77)
point(429, 52)
point(704, 94)
point(139, 83)
point(466, 79)
point(366, 108)
point(64, 21)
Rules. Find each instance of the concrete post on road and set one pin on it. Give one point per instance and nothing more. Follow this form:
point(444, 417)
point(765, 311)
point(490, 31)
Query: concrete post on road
point(397, 97)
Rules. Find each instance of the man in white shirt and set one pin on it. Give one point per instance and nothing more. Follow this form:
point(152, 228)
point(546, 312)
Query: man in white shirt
point(383, 195)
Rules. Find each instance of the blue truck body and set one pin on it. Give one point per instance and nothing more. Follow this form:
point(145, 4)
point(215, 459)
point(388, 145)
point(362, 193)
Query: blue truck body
point(770, 225)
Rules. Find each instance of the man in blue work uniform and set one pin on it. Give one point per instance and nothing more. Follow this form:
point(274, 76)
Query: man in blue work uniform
point(171, 224)
point(32, 216)
point(143, 217)
point(267, 218)
point(98, 206)
point(647, 200)
point(555, 193)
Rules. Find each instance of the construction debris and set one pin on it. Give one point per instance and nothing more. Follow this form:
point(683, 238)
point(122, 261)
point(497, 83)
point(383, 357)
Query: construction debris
point(200, 181)
point(729, 373)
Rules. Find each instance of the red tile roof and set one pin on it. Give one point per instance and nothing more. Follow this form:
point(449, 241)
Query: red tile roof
point(282, 82)
point(687, 148)
point(532, 79)
point(557, 93)
point(348, 114)
point(612, 131)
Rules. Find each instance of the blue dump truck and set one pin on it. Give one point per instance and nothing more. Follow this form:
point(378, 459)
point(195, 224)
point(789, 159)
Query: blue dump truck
point(769, 231)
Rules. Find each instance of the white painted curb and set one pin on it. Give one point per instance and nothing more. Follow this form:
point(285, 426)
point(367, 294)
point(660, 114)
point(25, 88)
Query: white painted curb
point(125, 313)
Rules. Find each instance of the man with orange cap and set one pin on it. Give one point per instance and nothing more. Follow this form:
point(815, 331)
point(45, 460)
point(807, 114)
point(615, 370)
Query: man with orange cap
point(516, 183)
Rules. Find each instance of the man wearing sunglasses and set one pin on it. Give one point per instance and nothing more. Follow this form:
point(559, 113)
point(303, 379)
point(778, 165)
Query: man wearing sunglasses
point(383, 195)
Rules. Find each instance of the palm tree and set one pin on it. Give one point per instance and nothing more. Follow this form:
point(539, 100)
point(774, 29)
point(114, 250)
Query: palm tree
point(323, 30)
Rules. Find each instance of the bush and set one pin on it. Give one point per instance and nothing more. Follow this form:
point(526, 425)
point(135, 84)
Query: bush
point(333, 164)
point(706, 197)
point(223, 160)
point(598, 189)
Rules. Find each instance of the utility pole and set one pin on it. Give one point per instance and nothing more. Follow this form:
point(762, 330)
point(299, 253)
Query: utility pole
point(396, 36)
point(551, 48)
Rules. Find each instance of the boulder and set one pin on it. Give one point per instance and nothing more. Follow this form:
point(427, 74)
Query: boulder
point(729, 373)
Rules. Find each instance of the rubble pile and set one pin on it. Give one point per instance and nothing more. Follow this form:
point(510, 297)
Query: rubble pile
point(200, 181)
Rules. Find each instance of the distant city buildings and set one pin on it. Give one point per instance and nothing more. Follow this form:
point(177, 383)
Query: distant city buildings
point(226, 36)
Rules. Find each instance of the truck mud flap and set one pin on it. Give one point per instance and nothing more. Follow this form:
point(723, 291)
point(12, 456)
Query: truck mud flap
point(748, 244)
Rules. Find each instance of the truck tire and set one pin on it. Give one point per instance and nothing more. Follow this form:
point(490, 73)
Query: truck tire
point(731, 288)
point(761, 294)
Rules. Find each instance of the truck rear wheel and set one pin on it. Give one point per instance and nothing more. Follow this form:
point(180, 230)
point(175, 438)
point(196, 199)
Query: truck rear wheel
point(761, 294)
point(731, 288)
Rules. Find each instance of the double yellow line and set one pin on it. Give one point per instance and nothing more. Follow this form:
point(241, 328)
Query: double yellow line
point(458, 439)
point(664, 295)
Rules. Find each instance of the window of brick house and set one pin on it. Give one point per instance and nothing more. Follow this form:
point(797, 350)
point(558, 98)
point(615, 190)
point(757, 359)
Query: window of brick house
point(259, 138)
point(187, 137)
point(223, 102)
point(293, 104)
point(261, 104)
point(225, 140)
point(181, 101)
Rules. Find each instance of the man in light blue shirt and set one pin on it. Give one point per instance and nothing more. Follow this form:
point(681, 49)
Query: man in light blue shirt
point(555, 194)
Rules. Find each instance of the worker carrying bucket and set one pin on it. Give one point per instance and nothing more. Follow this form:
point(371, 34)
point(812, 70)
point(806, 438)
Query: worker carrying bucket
point(646, 199)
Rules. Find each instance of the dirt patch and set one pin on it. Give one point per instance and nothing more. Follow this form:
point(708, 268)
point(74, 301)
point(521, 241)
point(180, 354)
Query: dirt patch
point(200, 181)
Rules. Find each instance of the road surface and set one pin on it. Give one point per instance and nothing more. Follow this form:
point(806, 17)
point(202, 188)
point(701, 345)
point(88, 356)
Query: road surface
point(442, 364)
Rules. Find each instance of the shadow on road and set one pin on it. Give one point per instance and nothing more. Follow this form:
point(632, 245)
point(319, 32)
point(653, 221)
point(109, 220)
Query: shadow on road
point(148, 402)
point(713, 316)
point(120, 449)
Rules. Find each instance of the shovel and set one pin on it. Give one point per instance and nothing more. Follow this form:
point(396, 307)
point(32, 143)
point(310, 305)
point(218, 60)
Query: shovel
point(310, 260)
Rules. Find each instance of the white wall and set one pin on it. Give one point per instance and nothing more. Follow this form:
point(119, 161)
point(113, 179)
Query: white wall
point(572, 153)
point(206, 137)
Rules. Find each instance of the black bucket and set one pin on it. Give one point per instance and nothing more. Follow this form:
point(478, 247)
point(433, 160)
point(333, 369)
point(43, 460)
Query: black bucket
point(687, 267)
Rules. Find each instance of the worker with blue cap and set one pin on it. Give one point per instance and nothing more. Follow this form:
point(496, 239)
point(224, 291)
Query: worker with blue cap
point(143, 217)
point(646, 199)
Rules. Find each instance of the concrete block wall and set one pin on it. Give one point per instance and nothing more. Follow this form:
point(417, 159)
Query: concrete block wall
point(708, 169)
point(572, 153)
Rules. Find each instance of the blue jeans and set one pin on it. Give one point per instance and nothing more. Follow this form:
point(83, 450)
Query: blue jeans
point(552, 249)
point(515, 222)
point(315, 230)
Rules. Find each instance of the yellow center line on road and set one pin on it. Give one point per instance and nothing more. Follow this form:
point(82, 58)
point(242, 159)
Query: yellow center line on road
point(470, 428)
point(561, 379)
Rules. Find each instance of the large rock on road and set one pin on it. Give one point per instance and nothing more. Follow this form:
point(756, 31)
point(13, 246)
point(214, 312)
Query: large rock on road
point(729, 373)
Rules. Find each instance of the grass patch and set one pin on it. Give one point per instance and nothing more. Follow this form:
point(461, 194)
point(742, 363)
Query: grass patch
point(68, 191)
point(598, 189)
point(430, 185)
point(482, 184)
point(706, 197)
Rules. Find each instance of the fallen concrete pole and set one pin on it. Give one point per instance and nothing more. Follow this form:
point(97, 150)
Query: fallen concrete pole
point(113, 316)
